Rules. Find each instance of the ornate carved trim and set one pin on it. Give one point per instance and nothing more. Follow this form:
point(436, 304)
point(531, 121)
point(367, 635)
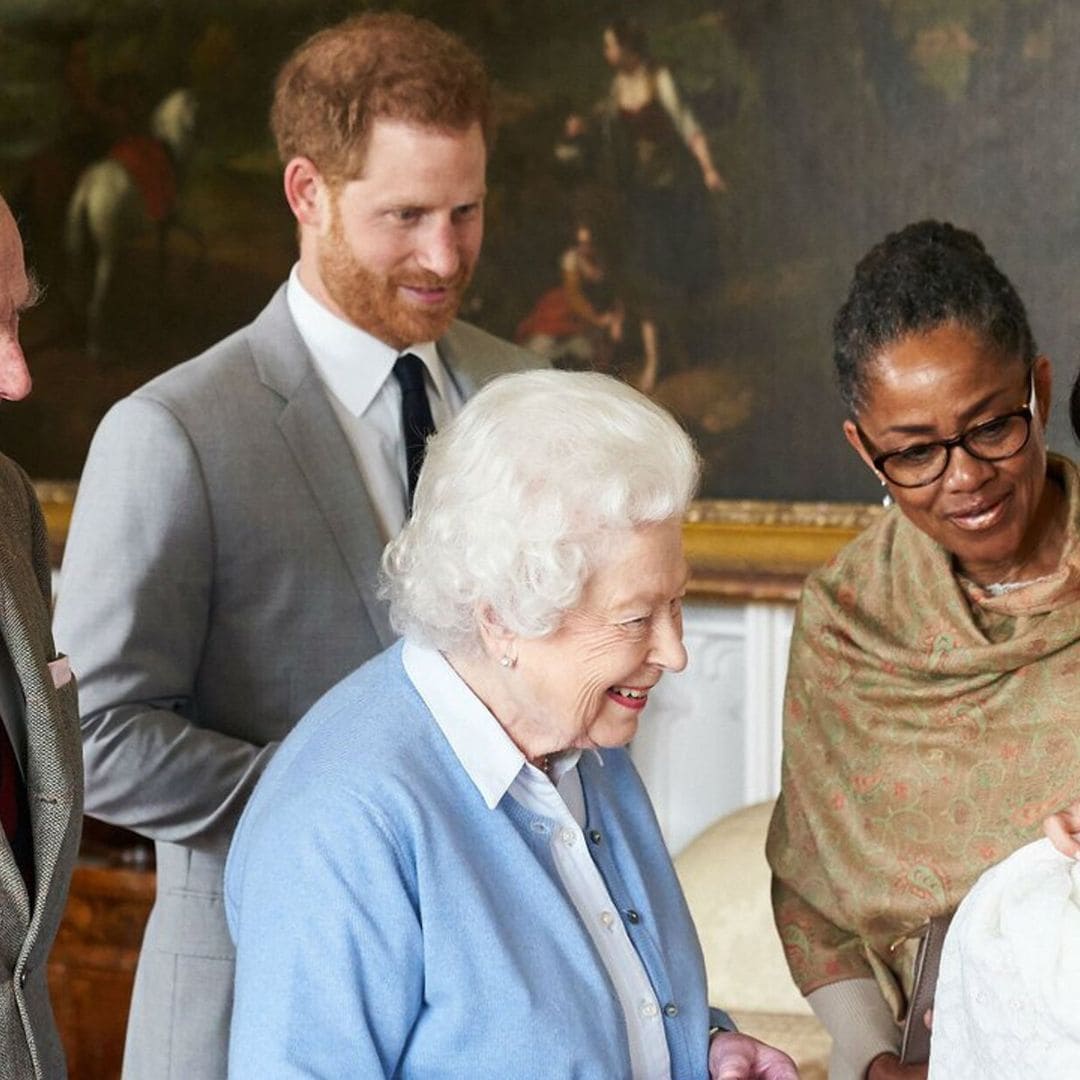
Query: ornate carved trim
point(739, 549)
point(755, 550)
point(756, 513)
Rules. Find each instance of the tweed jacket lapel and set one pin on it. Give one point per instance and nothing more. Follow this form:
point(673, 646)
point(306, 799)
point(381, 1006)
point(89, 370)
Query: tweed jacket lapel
point(309, 426)
point(53, 770)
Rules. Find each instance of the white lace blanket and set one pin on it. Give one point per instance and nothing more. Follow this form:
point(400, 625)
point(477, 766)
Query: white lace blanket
point(1008, 994)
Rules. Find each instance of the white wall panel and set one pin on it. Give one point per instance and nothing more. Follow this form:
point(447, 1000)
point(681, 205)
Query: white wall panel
point(709, 741)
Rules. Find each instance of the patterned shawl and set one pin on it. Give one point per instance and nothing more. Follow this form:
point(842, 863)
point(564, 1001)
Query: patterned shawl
point(928, 729)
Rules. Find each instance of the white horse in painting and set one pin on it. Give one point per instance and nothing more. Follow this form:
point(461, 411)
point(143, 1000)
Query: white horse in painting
point(107, 208)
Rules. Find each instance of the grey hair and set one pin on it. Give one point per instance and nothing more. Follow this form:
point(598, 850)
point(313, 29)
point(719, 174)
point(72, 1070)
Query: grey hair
point(516, 497)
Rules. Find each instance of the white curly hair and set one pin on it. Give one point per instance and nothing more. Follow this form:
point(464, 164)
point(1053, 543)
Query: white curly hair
point(517, 496)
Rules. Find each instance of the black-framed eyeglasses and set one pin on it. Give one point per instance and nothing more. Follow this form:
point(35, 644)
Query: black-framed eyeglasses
point(993, 440)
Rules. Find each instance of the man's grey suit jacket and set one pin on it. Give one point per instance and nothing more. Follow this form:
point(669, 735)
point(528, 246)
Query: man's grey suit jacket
point(220, 575)
point(29, 1042)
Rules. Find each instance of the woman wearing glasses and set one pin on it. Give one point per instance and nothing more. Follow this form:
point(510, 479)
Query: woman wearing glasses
point(932, 717)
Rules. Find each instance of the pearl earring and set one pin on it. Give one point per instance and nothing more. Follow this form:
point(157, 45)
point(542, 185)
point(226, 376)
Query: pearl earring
point(506, 661)
point(886, 499)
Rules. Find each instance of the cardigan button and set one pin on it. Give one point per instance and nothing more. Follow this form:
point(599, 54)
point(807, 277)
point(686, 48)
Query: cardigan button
point(22, 977)
point(594, 836)
point(671, 1009)
point(632, 916)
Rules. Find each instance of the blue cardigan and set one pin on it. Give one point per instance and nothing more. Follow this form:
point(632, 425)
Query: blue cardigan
point(388, 924)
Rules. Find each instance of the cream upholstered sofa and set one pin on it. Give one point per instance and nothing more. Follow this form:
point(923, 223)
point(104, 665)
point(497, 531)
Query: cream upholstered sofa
point(726, 880)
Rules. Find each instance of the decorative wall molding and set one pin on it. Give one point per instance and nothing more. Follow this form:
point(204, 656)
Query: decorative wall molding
point(768, 637)
point(710, 739)
point(739, 550)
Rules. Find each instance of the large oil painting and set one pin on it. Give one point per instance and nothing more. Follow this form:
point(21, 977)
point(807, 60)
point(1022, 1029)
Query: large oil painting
point(677, 195)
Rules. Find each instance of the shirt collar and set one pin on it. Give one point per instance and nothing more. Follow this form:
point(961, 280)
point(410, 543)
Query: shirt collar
point(487, 754)
point(353, 364)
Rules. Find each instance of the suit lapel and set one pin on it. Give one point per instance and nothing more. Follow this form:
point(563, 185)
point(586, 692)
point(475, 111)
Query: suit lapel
point(450, 352)
point(53, 755)
point(474, 357)
point(318, 445)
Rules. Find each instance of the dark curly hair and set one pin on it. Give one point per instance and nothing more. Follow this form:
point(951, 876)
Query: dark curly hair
point(927, 274)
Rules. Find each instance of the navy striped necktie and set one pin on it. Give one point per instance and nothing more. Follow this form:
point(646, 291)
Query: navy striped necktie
point(416, 420)
point(15, 810)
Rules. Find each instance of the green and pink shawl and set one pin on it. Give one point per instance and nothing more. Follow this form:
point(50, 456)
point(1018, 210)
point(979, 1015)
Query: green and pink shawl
point(928, 729)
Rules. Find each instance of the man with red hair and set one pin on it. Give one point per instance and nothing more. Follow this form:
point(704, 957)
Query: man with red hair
point(220, 573)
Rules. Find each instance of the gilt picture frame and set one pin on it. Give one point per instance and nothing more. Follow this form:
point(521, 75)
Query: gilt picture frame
point(721, 210)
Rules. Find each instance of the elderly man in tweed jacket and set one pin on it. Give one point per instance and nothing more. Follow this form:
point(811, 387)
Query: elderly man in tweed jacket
point(40, 759)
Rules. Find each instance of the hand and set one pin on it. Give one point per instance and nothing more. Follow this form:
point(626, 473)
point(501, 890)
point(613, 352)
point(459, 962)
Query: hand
point(573, 126)
point(714, 181)
point(612, 324)
point(733, 1056)
point(1063, 828)
point(888, 1067)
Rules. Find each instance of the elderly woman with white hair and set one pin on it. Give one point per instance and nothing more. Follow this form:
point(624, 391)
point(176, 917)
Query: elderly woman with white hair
point(451, 868)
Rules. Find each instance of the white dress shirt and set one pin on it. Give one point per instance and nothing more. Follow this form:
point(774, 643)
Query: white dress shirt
point(356, 370)
point(496, 766)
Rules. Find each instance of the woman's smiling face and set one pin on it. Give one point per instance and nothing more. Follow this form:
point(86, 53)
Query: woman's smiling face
point(585, 684)
point(936, 385)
